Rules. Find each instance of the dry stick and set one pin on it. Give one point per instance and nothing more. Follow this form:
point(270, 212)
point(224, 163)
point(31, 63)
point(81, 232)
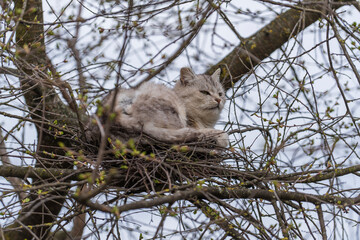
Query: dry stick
point(308, 220)
point(321, 220)
point(79, 221)
point(282, 221)
point(11, 71)
point(27, 228)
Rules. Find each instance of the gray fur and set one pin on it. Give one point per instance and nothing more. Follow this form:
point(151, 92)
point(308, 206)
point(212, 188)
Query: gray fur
point(187, 112)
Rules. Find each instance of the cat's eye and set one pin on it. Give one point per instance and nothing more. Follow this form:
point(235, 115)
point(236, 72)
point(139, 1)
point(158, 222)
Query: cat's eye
point(220, 94)
point(204, 92)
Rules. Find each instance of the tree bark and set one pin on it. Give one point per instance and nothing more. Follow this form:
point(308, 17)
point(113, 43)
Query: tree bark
point(45, 106)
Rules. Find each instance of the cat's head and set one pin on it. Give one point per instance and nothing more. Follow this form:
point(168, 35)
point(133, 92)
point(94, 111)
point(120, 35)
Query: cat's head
point(203, 96)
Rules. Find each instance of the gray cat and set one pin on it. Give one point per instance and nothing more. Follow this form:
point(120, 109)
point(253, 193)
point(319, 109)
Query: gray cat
point(188, 112)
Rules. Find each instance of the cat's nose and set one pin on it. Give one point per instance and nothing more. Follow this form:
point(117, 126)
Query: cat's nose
point(218, 100)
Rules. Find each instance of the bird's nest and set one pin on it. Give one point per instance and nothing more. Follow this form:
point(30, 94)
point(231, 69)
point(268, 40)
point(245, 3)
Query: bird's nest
point(144, 163)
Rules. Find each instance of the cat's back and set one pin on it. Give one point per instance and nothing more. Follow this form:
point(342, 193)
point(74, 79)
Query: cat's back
point(155, 103)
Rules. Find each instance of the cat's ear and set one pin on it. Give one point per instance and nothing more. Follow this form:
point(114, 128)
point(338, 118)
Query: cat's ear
point(186, 76)
point(216, 74)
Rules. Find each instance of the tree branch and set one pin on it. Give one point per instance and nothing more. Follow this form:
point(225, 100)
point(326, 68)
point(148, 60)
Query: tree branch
point(252, 50)
point(45, 106)
point(41, 173)
point(16, 183)
point(227, 193)
point(304, 177)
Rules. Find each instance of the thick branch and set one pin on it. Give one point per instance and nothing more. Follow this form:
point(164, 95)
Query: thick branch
point(39, 173)
point(252, 50)
point(227, 193)
point(69, 174)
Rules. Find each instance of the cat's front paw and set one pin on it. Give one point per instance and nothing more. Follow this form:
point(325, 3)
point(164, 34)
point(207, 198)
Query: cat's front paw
point(222, 140)
point(220, 137)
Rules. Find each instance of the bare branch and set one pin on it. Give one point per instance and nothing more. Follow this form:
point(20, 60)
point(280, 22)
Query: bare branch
point(16, 183)
point(227, 193)
point(259, 46)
